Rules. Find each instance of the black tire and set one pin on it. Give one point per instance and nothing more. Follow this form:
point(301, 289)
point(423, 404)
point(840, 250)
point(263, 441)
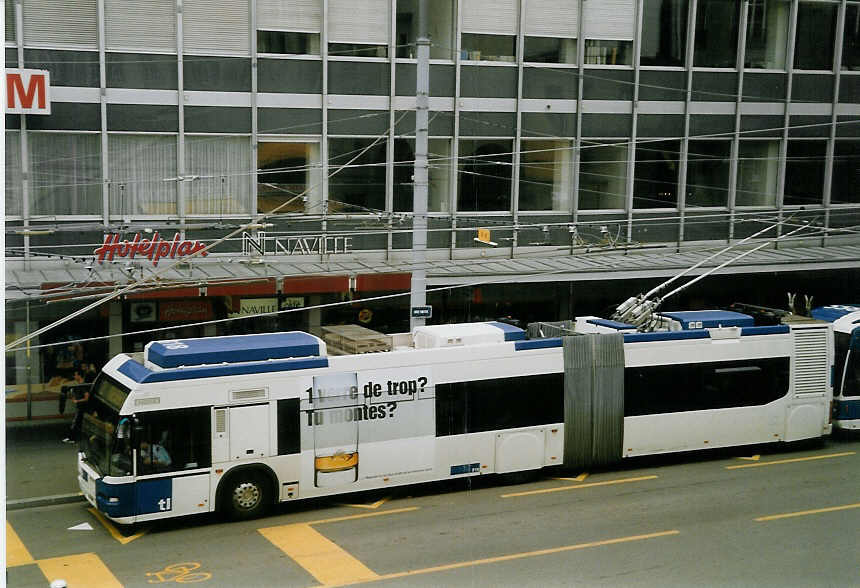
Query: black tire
point(518, 478)
point(246, 495)
point(128, 529)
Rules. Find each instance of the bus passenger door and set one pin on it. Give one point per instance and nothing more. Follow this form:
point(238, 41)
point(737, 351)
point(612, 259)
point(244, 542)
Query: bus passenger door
point(173, 459)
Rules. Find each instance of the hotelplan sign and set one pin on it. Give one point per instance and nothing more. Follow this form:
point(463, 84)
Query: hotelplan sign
point(152, 248)
point(28, 91)
point(305, 245)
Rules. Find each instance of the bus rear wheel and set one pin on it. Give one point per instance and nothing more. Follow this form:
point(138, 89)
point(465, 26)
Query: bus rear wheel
point(246, 495)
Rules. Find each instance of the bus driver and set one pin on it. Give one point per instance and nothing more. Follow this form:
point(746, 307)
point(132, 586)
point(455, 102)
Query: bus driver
point(154, 454)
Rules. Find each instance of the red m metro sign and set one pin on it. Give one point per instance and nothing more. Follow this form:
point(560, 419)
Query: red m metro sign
point(28, 91)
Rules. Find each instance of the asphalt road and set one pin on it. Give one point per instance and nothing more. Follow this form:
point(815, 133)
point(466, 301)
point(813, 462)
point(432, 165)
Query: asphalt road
point(781, 518)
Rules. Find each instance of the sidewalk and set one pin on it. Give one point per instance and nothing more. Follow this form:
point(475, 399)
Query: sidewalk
point(40, 469)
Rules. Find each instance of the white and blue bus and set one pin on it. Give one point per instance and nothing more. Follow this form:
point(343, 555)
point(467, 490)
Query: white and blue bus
point(846, 377)
point(239, 423)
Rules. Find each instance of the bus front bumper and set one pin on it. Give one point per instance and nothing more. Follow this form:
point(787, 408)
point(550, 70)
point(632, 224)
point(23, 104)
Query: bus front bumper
point(87, 477)
point(113, 500)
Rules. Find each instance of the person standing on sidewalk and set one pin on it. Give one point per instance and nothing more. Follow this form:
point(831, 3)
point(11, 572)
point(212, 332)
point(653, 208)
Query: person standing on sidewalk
point(80, 398)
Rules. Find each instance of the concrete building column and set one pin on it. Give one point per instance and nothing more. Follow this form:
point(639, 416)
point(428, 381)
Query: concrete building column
point(314, 314)
point(115, 328)
point(24, 366)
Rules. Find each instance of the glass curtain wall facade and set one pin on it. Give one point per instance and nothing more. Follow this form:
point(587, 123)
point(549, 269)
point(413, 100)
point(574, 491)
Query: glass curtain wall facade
point(543, 112)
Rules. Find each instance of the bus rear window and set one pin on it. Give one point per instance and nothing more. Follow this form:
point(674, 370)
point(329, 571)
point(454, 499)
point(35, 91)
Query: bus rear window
point(109, 392)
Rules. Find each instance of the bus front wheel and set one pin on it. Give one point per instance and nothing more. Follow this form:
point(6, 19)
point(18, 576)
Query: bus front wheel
point(246, 495)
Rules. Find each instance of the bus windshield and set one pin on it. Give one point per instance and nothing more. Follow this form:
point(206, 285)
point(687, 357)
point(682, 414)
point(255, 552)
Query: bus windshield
point(841, 342)
point(104, 449)
point(851, 382)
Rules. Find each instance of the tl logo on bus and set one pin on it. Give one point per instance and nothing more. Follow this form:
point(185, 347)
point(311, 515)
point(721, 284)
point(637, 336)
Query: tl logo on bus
point(152, 249)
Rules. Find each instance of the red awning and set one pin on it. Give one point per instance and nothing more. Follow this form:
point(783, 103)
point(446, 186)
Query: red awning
point(383, 282)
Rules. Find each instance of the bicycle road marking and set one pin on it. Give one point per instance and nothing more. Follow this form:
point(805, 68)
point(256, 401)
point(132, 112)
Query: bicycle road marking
point(791, 460)
point(181, 573)
point(802, 513)
point(579, 486)
point(17, 553)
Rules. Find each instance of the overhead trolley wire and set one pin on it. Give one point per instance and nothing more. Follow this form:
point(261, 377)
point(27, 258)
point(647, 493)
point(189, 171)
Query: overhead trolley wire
point(505, 279)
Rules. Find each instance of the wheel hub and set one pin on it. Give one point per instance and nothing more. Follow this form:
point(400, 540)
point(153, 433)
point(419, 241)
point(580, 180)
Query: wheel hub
point(246, 495)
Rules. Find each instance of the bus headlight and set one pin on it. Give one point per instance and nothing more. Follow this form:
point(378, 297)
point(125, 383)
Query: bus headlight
point(113, 499)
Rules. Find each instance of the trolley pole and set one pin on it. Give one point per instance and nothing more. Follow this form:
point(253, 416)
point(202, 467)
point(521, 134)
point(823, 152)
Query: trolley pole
point(420, 179)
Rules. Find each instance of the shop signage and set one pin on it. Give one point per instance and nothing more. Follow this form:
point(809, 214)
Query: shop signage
point(251, 306)
point(292, 302)
point(28, 91)
point(152, 249)
point(184, 310)
point(143, 312)
point(264, 244)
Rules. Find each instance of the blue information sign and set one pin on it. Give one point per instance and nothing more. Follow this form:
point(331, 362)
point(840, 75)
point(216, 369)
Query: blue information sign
point(422, 311)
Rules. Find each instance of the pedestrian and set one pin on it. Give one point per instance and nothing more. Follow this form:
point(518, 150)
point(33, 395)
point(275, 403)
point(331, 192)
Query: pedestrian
point(90, 373)
point(81, 399)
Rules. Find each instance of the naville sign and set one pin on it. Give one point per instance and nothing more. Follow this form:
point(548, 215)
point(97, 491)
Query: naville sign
point(28, 91)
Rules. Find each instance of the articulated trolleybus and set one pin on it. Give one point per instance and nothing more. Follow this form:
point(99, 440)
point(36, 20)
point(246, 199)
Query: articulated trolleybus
point(846, 388)
point(239, 423)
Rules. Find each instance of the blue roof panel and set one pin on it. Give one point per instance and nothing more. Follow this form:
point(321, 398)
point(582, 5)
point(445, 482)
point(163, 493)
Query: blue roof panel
point(833, 312)
point(665, 336)
point(611, 324)
point(512, 333)
point(710, 318)
point(765, 330)
point(538, 344)
point(232, 349)
point(143, 375)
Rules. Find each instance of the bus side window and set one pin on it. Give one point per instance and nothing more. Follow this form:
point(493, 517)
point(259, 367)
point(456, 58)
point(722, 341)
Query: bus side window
point(174, 440)
point(704, 386)
point(498, 404)
point(289, 437)
point(450, 409)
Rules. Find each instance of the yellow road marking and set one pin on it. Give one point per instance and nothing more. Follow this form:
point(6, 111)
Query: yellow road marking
point(792, 460)
point(114, 532)
point(373, 505)
point(580, 478)
point(322, 558)
point(16, 553)
point(360, 516)
point(515, 556)
point(755, 457)
point(85, 569)
point(807, 512)
point(589, 485)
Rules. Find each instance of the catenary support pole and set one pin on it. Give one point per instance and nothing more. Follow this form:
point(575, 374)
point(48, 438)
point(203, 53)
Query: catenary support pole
point(418, 296)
